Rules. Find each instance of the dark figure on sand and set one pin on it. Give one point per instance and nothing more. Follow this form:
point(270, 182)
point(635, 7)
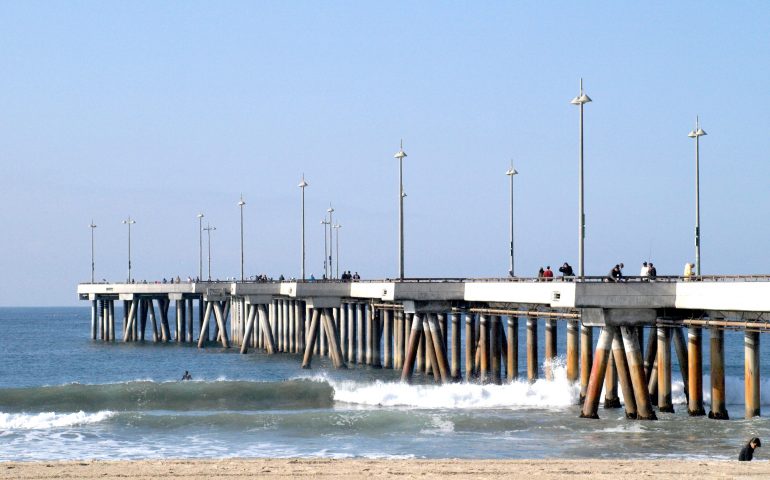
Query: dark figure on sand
point(747, 452)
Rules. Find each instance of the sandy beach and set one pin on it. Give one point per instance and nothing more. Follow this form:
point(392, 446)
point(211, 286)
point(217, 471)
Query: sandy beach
point(323, 468)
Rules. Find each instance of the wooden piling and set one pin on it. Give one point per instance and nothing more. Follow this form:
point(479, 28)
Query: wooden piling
point(664, 370)
point(573, 353)
point(751, 373)
point(598, 372)
point(550, 347)
point(532, 364)
point(718, 395)
point(512, 360)
point(631, 346)
point(695, 367)
point(586, 358)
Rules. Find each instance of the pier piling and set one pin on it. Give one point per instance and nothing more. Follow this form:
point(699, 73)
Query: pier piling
point(598, 372)
point(695, 374)
point(751, 373)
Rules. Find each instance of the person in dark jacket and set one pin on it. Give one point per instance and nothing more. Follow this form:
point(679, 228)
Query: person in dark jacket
point(616, 274)
point(566, 270)
point(747, 452)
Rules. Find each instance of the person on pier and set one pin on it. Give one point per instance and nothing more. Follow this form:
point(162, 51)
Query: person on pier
point(566, 270)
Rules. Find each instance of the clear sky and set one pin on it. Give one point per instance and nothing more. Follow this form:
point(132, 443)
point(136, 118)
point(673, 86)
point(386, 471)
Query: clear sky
point(162, 110)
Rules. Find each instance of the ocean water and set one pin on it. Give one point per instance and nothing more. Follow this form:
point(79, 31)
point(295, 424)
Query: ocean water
point(64, 396)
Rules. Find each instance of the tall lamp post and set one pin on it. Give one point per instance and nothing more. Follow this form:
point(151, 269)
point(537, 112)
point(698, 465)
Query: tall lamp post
point(326, 253)
point(302, 185)
point(400, 155)
point(208, 230)
point(93, 227)
point(331, 240)
point(241, 204)
point(696, 134)
point(337, 254)
point(581, 100)
point(200, 246)
point(511, 172)
point(129, 222)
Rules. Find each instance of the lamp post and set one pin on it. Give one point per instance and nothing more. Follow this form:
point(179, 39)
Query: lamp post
point(400, 155)
point(302, 185)
point(511, 172)
point(326, 255)
point(337, 254)
point(208, 230)
point(93, 226)
point(696, 134)
point(129, 222)
point(200, 246)
point(330, 210)
point(581, 100)
point(241, 204)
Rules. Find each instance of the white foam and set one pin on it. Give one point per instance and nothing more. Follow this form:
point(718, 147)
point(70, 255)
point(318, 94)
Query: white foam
point(558, 393)
point(46, 420)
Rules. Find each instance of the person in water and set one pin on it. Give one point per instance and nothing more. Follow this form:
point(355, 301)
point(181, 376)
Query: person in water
point(747, 452)
point(186, 376)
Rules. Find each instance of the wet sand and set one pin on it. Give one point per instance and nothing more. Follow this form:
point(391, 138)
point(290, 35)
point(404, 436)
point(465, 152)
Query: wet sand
point(360, 468)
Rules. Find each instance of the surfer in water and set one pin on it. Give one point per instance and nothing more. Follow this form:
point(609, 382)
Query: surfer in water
point(186, 376)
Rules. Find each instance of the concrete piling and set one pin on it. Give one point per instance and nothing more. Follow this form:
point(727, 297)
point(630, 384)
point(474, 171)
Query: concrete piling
point(455, 346)
point(573, 353)
point(664, 370)
point(387, 340)
point(512, 354)
point(631, 345)
point(718, 395)
point(550, 347)
point(751, 373)
point(598, 372)
point(695, 375)
point(470, 343)
point(411, 348)
point(439, 350)
point(312, 337)
point(624, 377)
point(586, 358)
point(360, 333)
point(494, 349)
point(532, 364)
point(680, 347)
point(483, 348)
point(611, 399)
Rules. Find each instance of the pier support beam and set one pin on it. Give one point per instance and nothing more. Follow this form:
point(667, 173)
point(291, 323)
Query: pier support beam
point(532, 365)
point(439, 348)
point(624, 377)
point(611, 399)
point(598, 372)
point(252, 313)
point(586, 358)
point(664, 370)
point(494, 349)
point(550, 347)
point(387, 340)
point(695, 367)
point(430, 352)
point(360, 334)
point(267, 331)
point(483, 348)
point(751, 373)
point(332, 337)
point(312, 336)
point(470, 343)
point(680, 347)
point(573, 353)
point(94, 318)
point(718, 399)
point(631, 345)
point(351, 318)
point(411, 348)
point(512, 354)
point(455, 346)
point(202, 339)
point(376, 341)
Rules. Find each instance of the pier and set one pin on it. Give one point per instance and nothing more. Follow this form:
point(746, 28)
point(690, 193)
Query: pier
point(431, 325)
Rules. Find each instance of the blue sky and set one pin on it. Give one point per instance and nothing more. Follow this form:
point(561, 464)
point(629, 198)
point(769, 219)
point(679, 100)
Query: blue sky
point(161, 110)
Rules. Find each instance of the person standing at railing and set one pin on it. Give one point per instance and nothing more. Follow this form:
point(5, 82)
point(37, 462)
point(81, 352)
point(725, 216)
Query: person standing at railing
point(645, 272)
point(548, 274)
point(688, 271)
point(652, 272)
point(566, 270)
point(616, 274)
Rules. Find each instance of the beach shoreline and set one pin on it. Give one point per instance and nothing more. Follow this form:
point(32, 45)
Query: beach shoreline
point(383, 468)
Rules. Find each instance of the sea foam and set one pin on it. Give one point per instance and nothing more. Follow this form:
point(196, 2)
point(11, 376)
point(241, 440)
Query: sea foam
point(47, 420)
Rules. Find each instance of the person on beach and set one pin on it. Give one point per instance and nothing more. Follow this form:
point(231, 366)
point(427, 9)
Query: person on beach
point(747, 452)
point(186, 376)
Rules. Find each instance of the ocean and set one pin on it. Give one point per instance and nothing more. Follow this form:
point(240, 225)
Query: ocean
point(64, 396)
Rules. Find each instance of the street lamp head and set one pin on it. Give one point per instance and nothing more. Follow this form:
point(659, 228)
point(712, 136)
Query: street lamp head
point(403, 194)
point(241, 202)
point(337, 226)
point(511, 172)
point(129, 221)
point(697, 131)
point(582, 98)
point(200, 215)
point(401, 153)
point(303, 183)
point(93, 225)
point(330, 209)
